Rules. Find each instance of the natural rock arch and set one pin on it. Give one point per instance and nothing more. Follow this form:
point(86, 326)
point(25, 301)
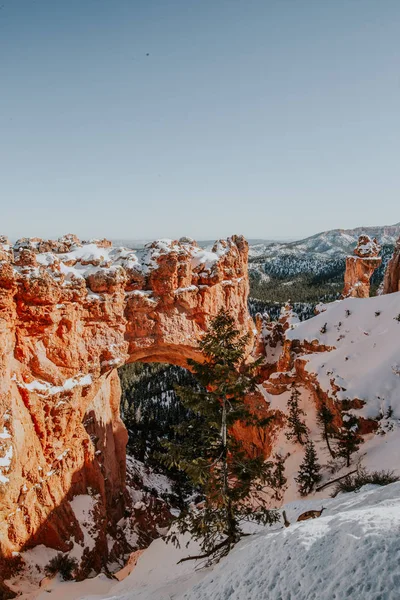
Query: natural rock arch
point(70, 314)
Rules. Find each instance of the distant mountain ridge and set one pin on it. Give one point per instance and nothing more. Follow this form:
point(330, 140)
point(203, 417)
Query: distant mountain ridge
point(310, 270)
point(327, 244)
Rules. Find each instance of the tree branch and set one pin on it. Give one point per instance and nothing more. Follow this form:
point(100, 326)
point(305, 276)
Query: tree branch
point(321, 487)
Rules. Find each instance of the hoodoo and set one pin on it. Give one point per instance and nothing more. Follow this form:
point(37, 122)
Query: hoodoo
point(360, 267)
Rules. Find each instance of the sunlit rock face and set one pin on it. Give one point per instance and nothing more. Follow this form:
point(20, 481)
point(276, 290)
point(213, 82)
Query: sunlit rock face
point(360, 267)
point(71, 312)
point(391, 281)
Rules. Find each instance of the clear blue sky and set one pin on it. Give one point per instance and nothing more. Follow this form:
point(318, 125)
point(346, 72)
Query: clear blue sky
point(271, 118)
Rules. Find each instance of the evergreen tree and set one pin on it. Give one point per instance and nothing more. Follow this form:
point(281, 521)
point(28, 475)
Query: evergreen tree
point(297, 428)
point(309, 472)
point(325, 418)
point(278, 479)
point(150, 409)
point(349, 440)
point(232, 481)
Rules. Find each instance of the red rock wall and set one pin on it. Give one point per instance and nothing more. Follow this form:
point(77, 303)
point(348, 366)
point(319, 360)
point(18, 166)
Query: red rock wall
point(360, 268)
point(391, 282)
point(69, 315)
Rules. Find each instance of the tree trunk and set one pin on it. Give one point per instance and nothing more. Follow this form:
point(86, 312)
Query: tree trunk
point(326, 436)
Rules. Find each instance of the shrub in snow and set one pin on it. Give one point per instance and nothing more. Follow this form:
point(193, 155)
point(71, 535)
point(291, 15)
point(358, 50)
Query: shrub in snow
point(297, 428)
point(309, 472)
point(62, 564)
point(352, 483)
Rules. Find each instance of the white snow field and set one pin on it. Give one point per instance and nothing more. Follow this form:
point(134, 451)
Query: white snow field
point(365, 361)
point(352, 551)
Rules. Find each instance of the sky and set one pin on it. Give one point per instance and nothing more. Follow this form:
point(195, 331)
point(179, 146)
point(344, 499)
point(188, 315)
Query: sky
point(161, 118)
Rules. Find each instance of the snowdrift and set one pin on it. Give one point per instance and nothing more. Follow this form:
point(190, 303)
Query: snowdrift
point(351, 551)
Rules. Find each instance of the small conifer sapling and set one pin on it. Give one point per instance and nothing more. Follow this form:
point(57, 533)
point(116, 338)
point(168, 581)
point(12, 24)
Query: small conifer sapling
point(309, 473)
point(297, 428)
point(349, 440)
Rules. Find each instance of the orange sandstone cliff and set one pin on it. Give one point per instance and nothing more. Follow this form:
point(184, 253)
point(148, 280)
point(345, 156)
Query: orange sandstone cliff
point(391, 282)
point(360, 267)
point(70, 314)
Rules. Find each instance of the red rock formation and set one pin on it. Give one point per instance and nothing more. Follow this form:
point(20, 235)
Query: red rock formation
point(69, 315)
point(391, 282)
point(360, 267)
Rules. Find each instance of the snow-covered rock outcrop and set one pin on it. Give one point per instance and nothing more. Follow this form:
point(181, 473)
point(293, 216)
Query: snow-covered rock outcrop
point(363, 363)
point(360, 267)
point(70, 313)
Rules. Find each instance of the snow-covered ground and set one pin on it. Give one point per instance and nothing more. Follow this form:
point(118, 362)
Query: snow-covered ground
point(352, 551)
point(365, 361)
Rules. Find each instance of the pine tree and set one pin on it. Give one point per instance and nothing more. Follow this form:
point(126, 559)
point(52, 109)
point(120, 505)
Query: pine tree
point(349, 440)
point(278, 479)
point(309, 472)
point(297, 428)
point(232, 481)
point(325, 418)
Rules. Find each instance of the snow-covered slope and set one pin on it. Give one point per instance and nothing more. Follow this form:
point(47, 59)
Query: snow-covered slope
point(365, 361)
point(350, 552)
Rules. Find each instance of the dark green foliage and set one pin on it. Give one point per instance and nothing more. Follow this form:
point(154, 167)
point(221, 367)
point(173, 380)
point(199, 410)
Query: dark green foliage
point(62, 564)
point(325, 418)
point(149, 405)
point(309, 473)
point(352, 483)
point(312, 280)
point(277, 479)
point(349, 440)
point(304, 293)
point(304, 310)
point(297, 428)
point(232, 481)
point(151, 410)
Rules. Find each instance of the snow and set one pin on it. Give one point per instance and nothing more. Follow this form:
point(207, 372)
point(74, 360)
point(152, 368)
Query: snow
point(89, 253)
point(189, 288)
point(63, 454)
point(45, 388)
point(5, 463)
point(350, 551)
point(4, 435)
point(149, 479)
point(83, 506)
point(364, 362)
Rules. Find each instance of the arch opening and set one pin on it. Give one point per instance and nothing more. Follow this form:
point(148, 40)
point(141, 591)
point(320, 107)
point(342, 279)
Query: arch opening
point(151, 410)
